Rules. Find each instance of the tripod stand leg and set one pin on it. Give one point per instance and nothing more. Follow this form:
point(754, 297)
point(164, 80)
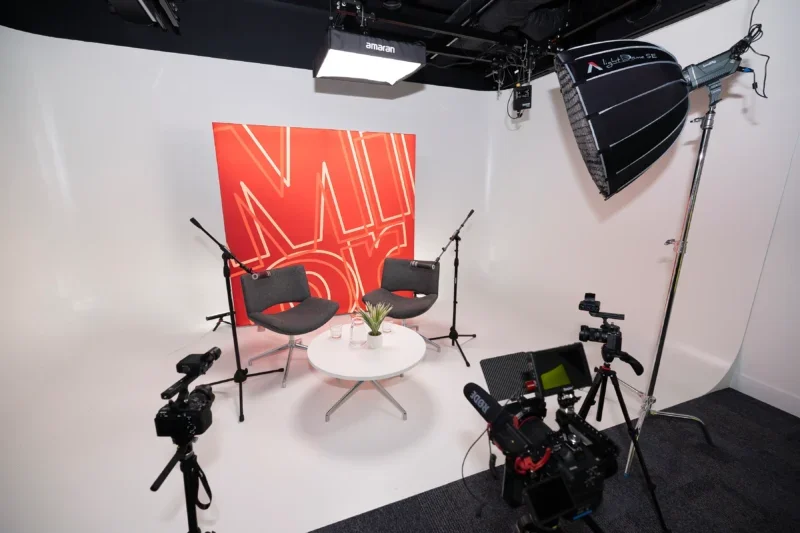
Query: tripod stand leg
point(632, 433)
point(190, 487)
point(588, 402)
point(455, 341)
point(602, 400)
point(241, 404)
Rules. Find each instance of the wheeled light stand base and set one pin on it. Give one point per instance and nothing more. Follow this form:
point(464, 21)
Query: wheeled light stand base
point(220, 318)
point(603, 374)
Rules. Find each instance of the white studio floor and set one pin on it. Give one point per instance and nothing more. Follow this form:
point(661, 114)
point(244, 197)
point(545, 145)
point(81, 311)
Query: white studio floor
point(85, 458)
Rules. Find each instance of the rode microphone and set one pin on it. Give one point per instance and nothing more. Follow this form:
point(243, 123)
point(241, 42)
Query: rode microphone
point(501, 423)
point(425, 265)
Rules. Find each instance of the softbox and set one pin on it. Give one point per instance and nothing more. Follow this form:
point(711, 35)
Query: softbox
point(627, 102)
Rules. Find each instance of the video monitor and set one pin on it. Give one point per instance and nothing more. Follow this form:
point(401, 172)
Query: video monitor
point(562, 368)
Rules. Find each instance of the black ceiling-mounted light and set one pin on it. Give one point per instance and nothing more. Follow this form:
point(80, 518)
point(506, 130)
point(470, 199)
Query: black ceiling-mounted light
point(627, 102)
point(351, 56)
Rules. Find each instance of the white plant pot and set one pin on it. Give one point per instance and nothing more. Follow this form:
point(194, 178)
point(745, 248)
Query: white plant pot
point(374, 342)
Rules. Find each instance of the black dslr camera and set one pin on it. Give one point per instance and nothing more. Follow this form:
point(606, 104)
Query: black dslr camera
point(558, 474)
point(182, 420)
point(190, 413)
point(608, 333)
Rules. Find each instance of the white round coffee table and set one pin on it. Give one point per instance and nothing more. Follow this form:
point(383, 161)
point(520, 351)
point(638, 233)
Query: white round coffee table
point(402, 350)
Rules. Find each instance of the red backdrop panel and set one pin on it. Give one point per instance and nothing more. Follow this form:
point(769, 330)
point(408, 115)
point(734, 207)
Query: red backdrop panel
point(335, 201)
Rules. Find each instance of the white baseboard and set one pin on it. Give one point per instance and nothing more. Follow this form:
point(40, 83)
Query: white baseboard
point(786, 401)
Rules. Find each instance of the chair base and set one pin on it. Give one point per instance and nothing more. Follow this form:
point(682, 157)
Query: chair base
point(426, 339)
point(291, 345)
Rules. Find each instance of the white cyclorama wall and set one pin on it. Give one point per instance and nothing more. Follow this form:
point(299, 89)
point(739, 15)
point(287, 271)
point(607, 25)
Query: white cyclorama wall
point(106, 152)
point(768, 365)
point(553, 237)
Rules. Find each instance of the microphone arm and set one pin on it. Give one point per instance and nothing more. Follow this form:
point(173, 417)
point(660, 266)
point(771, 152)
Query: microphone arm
point(454, 236)
point(226, 253)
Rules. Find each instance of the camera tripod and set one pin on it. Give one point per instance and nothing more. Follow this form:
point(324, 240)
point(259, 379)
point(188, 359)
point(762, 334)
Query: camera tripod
point(454, 335)
point(241, 374)
point(602, 374)
point(193, 476)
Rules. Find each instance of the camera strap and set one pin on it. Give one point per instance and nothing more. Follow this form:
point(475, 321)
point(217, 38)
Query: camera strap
point(204, 480)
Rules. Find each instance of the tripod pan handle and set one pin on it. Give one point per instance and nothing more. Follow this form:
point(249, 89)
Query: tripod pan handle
point(636, 365)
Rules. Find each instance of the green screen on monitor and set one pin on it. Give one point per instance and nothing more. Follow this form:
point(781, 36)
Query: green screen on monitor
point(560, 368)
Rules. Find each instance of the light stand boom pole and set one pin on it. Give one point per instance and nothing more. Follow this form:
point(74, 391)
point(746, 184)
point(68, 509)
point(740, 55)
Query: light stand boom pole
point(707, 124)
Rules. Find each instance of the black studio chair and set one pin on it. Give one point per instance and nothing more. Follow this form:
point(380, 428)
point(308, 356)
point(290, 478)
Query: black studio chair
point(285, 285)
point(419, 277)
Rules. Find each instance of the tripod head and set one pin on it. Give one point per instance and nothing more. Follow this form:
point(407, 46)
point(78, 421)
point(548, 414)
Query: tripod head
point(608, 333)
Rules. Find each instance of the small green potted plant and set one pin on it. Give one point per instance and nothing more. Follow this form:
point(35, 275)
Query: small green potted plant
point(373, 317)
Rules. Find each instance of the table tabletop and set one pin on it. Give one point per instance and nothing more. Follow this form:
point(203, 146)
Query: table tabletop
point(402, 350)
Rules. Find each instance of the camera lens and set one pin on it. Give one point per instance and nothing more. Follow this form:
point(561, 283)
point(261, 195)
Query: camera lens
point(583, 336)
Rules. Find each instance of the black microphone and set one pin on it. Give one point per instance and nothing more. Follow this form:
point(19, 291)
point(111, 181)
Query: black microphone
point(507, 437)
point(266, 273)
point(425, 265)
point(471, 211)
point(195, 222)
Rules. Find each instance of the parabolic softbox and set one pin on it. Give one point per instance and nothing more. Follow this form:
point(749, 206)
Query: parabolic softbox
point(627, 102)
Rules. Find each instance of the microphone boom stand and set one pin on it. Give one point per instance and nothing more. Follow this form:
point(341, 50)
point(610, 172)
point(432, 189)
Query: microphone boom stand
point(241, 374)
point(454, 334)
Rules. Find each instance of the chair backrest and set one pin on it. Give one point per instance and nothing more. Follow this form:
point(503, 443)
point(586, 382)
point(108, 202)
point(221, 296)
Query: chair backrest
point(399, 275)
point(287, 284)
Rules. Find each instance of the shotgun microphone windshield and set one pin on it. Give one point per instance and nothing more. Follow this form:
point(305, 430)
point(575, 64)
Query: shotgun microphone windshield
point(501, 422)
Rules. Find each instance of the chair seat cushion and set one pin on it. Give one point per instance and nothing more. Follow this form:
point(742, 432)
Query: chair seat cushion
point(306, 316)
point(402, 307)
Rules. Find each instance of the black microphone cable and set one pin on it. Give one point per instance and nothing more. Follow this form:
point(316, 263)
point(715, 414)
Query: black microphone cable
point(481, 503)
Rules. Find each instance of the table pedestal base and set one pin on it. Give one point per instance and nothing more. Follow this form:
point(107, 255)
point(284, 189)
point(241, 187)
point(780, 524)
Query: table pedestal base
point(354, 389)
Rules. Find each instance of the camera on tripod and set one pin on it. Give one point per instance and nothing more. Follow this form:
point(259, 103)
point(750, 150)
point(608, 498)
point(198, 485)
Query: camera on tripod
point(182, 420)
point(608, 333)
point(559, 473)
point(190, 413)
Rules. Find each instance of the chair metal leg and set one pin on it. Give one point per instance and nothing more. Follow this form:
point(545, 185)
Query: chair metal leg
point(288, 362)
point(342, 400)
point(390, 398)
point(269, 352)
point(426, 339)
point(300, 345)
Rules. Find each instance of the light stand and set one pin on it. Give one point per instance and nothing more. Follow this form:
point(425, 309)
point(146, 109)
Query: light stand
point(241, 375)
point(707, 124)
point(454, 334)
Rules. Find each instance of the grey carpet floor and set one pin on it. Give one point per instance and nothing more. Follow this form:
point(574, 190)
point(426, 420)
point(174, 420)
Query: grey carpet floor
point(750, 482)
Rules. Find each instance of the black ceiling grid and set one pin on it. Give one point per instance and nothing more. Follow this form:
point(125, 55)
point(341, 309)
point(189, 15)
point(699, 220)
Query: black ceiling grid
point(289, 32)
